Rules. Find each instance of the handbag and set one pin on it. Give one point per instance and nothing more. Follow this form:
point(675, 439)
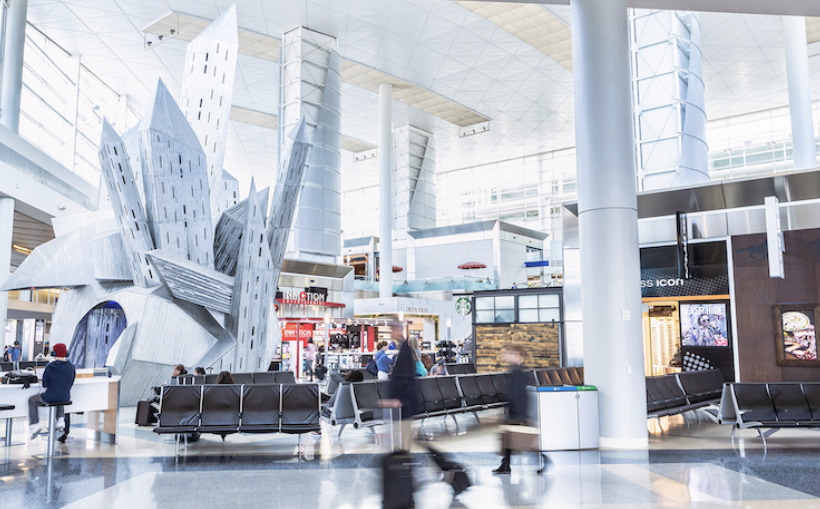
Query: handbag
point(20, 377)
point(519, 438)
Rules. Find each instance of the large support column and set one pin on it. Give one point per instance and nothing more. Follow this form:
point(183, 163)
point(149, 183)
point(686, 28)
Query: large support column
point(800, 108)
point(415, 192)
point(311, 87)
point(14, 38)
point(6, 226)
point(385, 190)
point(608, 220)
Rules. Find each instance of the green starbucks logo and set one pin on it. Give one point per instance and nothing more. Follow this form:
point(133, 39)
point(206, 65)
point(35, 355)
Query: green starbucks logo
point(463, 306)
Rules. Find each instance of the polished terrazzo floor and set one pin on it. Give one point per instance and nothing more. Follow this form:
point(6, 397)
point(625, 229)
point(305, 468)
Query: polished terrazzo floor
point(688, 464)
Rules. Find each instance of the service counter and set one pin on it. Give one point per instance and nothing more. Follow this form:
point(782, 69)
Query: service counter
point(566, 416)
point(98, 397)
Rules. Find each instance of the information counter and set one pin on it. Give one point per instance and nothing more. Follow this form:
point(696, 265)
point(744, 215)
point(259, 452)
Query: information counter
point(567, 416)
point(97, 396)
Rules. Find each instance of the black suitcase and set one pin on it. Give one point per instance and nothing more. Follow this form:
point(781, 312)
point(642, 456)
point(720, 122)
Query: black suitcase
point(397, 480)
point(143, 413)
point(454, 473)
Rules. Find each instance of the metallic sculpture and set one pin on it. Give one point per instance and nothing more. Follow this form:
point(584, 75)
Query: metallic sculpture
point(207, 87)
point(182, 280)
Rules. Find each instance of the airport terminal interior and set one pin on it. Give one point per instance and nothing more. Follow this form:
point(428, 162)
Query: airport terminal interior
point(598, 220)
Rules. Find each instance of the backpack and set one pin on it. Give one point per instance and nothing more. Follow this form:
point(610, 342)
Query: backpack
point(372, 368)
point(20, 377)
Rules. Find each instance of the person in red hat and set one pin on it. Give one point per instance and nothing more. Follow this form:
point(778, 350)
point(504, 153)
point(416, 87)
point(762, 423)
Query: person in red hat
point(58, 378)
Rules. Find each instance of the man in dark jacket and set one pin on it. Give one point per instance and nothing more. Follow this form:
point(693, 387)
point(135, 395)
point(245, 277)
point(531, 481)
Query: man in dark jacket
point(404, 389)
point(518, 411)
point(58, 378)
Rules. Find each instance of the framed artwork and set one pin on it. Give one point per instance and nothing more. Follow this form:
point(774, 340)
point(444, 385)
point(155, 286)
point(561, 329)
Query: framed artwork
point(795, 334)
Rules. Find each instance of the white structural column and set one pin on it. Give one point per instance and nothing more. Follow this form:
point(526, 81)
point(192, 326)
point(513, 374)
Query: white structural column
point(608, 220)
point(14, 38)
point(385, 190)
point(311, 87)
point(6, 227)
point(415, 194)
point(800, 108)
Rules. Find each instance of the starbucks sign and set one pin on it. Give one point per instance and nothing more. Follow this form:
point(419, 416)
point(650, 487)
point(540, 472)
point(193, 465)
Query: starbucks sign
point(463, 306)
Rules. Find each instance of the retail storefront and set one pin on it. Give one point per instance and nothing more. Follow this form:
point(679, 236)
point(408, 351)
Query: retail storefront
point(311, 297)
point(529, 317)
point(686, 319)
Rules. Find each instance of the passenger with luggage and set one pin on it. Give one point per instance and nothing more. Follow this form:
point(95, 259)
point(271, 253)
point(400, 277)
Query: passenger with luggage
point(517, 410)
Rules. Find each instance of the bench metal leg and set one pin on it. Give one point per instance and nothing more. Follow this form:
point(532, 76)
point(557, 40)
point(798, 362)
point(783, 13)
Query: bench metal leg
point(341, 428)
point(9, 423)
point(458, 428)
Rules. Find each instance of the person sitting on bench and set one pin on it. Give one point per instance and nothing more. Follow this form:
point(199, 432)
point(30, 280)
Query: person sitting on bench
point(58, 378)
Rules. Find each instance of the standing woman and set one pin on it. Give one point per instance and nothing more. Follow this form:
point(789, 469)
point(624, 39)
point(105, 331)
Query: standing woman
point(310, 356)
point(383, 361)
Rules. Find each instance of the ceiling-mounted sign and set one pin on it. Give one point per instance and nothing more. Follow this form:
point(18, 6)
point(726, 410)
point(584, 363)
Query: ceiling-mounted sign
point(682, 253)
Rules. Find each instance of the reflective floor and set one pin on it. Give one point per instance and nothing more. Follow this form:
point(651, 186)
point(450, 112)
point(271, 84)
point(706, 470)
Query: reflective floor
point(692, 464)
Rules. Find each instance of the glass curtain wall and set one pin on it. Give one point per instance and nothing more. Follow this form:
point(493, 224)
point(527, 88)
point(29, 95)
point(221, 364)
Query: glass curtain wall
point(63, 103)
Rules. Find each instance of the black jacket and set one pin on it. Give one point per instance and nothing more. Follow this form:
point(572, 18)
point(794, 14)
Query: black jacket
point(518, 409)
point(403, 384)
point(58, 378)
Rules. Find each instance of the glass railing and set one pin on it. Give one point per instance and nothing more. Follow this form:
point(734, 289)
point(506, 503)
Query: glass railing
point(462, 283)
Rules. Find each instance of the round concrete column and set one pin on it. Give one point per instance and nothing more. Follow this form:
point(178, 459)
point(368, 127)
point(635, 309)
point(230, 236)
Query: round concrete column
point(385, 191)
point(608, 220)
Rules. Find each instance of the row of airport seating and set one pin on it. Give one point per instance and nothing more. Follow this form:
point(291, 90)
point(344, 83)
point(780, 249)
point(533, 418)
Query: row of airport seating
point(239, 408)
point(261, 377)
point(770, 405)
point(680, 392)
point(8, 366)
point(359, 403)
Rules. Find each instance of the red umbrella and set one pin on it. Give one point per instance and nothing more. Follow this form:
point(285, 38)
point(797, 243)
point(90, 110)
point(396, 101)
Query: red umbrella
point(395, 269)
point(472, 265)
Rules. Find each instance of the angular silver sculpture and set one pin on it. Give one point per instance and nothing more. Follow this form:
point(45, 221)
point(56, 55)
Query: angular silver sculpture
point(207, 88)
point(252, 303)
point(125, 200)
point(185, 295)
point(175, 178)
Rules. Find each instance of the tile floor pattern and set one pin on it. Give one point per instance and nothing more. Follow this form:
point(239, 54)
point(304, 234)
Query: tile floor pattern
point(686, 465)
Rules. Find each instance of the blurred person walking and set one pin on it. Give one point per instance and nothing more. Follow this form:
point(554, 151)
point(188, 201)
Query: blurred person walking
point(517, 434)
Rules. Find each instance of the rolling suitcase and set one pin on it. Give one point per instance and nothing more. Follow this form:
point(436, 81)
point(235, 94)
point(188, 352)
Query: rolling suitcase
point(143, 413)
point(397, 467)
point(454, 473)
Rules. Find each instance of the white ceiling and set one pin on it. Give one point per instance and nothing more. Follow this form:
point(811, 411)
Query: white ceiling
point(434, 44)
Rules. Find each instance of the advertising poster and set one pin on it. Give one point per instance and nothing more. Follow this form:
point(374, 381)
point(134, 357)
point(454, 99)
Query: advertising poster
point(704, 324)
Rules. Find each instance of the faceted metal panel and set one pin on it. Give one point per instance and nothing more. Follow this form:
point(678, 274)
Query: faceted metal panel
point(177, 192)
point(229, 233)
point(251, 303)
point(286, 196)
point(127, 205)
point(207, 89)
point(193, 283)
point(111, 258)
point(65, 262)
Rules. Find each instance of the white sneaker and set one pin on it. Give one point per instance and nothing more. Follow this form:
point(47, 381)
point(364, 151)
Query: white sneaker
point(60, 423)
point(35, 429)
